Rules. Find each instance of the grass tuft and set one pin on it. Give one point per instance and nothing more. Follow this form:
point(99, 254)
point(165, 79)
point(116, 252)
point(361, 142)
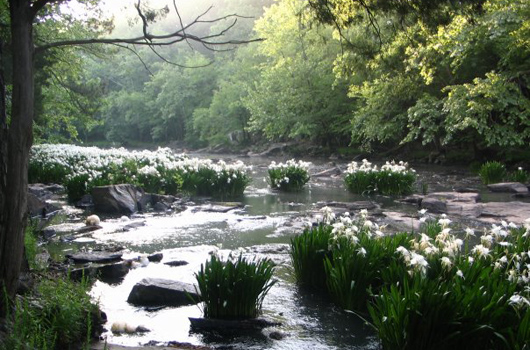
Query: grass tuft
point(234, 289)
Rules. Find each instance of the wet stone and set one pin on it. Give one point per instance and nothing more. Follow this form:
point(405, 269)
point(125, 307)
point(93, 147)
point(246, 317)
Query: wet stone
point(95, 256)
point(158, 291)
point(157, 257)
point(510, 187)
point(176, 263)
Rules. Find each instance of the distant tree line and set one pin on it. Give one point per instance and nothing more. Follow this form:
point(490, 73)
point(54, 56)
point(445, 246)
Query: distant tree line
point(374, 75)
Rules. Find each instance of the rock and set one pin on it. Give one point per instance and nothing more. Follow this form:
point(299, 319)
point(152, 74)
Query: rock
point(157, 291)
point(85, 202)
point(207, 324)
point(157, 257)
point(133, 225)
point(92, 220)
point(413, 199)
point(277, 335)
point(161, 207)
point(402, 222)
point(220, 207)
point(37, 206)
point(511, 187)
point(516, 212)
point(522, 195)
point(116, 199)
point(176, 263)
point(40, 191)
point(468, 197)
point(95, 256)
point(108, 273)
point(328, 172)
point(86, 229)
point(452, 203)
point(434, 205)
point(351, 206)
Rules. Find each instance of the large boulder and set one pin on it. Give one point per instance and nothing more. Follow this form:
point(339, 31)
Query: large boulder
point(116, 199)
point(37, 206)
point(157, 291)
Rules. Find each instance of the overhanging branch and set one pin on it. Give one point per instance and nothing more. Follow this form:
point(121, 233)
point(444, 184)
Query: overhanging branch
point(158, 40)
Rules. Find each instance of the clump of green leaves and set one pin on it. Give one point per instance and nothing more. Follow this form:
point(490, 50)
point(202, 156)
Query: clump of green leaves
point(289, 176)
point(519, 175)
point(391, 179)
point(58, 315)
point(82, 168)
point(234, 289)
point(308, 253)
point(492, 172)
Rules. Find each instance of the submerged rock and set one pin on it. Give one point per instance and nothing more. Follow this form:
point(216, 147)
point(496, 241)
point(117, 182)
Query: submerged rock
point(157, 291)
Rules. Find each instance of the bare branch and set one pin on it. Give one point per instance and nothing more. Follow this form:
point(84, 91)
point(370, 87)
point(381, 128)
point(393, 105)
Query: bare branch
point(181, 23)
point(137, 55)
point(177, 64)
point(144, 20)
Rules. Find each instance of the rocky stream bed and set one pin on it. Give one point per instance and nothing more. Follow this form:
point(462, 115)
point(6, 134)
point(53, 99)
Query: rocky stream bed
point(146, 249)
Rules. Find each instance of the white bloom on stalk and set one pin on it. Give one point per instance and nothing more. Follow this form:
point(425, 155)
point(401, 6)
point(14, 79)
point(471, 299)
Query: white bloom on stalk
point(446, 262)
point(481, 251)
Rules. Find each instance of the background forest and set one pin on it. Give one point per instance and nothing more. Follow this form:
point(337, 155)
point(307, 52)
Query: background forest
point(372, 76)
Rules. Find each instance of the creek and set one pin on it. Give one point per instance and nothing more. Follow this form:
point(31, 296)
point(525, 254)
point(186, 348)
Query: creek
point(261, 227)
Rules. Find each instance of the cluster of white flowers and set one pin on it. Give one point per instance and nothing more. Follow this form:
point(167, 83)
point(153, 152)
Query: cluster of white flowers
point(351, 227)
point(290, 164)
point(367, 167)
point(93, 161)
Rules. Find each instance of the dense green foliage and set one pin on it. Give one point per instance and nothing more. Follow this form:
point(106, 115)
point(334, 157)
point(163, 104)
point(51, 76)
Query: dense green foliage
point(492, 172)
point(426, 290)
point(234, 289)
point(59, 316)
point(390, 179)
point(308, 251)
point(80, 169)
point(289, 176)
point(373, 74)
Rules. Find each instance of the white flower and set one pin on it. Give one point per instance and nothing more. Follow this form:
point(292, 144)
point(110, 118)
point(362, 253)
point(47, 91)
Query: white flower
point(470, 232)
point(481, 251)
point(460, 274)
point(446, 262)
point(361, 251)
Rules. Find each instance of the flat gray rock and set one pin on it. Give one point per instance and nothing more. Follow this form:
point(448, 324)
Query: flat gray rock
point(157, 291)
point(510, 187)
point(95, 257)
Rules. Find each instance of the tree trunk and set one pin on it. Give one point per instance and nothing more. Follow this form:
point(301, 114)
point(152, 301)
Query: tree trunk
point(15, 146)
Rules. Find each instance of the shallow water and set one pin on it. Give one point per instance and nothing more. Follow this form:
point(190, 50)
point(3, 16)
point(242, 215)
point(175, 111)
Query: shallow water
point(263, 227)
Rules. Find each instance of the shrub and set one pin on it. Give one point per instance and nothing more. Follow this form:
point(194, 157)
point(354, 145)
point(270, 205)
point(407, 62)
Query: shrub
point(234, 289)
point(59, 316)
point(356, 269)
point(520, 175)
point(289, 176)
point(390, 179)
point(492, 172)
point(308, 253)
point(82, 168)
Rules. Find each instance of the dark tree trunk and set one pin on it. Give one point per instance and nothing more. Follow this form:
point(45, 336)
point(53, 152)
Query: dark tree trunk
point(15, 146)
